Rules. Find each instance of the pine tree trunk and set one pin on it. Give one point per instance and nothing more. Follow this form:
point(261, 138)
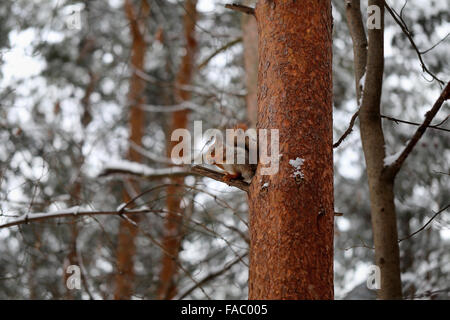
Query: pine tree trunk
point(173, 231)
point(127, 233)
point(291, 218)
point(250, 39)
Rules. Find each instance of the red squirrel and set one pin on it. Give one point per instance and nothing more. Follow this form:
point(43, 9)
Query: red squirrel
point(236, 170)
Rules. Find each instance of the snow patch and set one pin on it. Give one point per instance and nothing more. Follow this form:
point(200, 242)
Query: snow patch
point(141, 169)
point(121, 206)
point(361, 86)
point(297, 164)
point(388, 160)
point(362, 81)
point(69, 211)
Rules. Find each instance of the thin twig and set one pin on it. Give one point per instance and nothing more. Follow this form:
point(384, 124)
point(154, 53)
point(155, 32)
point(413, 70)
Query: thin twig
point(398, 18)
point(159, 245)
point(211, 276)
point(215, 53)
point(348, 131)
point(426, 224)
point(27, 218)
point(439, 172)
point(436, 127)
point(435, 45)
point(397, 164)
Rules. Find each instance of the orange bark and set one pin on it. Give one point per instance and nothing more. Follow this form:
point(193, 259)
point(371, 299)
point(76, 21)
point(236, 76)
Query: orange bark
point(250, 39)
point(127, 233)
point(173, 234)
point(291, 220)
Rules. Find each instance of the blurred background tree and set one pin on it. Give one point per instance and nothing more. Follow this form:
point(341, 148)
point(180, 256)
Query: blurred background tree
point(65, 110)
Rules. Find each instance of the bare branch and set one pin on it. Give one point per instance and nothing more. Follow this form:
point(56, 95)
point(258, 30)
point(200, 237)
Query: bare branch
point(211, 276)
point(436, 127)
point(33, 217)
point(131, 168)
point(215, 53)
point(435, 45)
point(240, 8)
point(426, 224)
point(159, 245)
point(397, 164)
point(348, 131)
point(399, 20)
point(142, 171)
point(442, 122)
point(185, 105)
point(240, 184)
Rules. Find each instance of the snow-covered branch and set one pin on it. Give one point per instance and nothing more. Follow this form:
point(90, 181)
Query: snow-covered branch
point(76, 211)
point(205, 172)
point(140, 170)
point(137, 169)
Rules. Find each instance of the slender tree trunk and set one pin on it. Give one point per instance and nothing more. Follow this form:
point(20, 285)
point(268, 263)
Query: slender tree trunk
point(127, 233)
point(358, 34)
point(250, 39)
point(291, 217)
point(381, 184)
point(173, 231)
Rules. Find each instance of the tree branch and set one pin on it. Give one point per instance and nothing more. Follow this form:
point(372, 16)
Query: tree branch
point(215, 53)
point(426, 224)
point(240, 184)
point(125, 167)
point(394, 168)
point(33, 217)
point(436, 126)
point(240, 8)
point(399, 20)
point(211, 276)
point(348, 131)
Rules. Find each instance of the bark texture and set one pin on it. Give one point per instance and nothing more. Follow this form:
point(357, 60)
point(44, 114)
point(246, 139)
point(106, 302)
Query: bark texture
point(291, 219)
point(173, 231)
point(127, 233)
point(358, 34)
point(250, 39)
point(381, 185)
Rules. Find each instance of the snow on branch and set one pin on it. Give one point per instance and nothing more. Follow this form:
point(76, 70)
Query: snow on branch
point(76, 211)
point(125, 167)
point(205, 172)
point(185, 105)
point(137, 169)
